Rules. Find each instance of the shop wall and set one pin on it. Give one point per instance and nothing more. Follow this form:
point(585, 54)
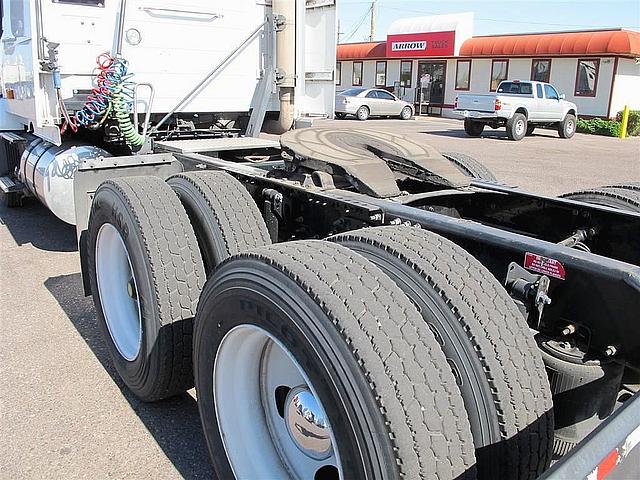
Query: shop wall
point(563, 77)
point(626, 86)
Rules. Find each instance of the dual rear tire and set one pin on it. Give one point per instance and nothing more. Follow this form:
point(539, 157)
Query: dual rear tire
point(386, 353)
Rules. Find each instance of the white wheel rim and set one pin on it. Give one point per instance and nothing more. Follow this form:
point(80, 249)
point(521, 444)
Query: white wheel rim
point(520, 127)
point(249, 367)
point(569, 126)
point(118, 292)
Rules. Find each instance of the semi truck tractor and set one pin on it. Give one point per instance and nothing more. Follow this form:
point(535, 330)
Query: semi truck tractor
point(349, 304)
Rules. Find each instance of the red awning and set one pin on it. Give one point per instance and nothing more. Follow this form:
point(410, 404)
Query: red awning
point(362, 51)
point(608, 42)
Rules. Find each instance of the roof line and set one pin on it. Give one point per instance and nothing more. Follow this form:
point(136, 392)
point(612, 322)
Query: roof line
point(551, 32)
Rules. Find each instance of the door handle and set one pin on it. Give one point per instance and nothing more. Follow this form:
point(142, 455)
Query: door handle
point(211, 15)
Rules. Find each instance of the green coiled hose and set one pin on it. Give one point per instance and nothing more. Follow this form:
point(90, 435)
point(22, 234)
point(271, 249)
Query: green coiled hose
point(123, 117)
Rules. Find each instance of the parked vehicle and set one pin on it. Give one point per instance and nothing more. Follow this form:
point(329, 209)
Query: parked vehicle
point(371, 102)
point(349, 304)
point(520, 106)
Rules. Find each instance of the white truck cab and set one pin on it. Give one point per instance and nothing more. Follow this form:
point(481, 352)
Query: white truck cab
point(519, 106)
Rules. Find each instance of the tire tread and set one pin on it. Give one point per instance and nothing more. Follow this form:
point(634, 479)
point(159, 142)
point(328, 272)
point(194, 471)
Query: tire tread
point(500, 336)
point(407, 373)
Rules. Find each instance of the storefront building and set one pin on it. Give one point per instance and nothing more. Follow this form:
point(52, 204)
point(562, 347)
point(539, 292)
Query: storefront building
point(430, 60)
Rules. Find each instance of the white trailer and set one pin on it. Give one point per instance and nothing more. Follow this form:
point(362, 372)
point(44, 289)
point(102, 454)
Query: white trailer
point(200, 69)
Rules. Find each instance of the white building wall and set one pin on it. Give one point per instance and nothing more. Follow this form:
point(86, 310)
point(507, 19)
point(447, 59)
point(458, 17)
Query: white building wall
point(626, 86)
point(519, 69)
point(369, 73)
point(346, 68)
point(563, 77)
point(393, 72)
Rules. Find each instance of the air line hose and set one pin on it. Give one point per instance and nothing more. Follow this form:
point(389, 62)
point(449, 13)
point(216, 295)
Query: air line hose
point(120, 102)
point(112, 97)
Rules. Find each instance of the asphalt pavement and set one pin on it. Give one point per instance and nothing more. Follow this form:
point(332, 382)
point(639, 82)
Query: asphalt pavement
point(64, 413)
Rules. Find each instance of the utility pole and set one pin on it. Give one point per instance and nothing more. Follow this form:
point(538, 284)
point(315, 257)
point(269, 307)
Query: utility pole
point(374, 14)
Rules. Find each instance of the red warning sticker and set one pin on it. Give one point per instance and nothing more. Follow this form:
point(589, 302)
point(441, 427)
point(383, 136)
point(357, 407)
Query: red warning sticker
point(544, 265)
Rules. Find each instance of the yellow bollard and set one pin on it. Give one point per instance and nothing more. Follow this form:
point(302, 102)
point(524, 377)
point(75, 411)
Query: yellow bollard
point(625, 121)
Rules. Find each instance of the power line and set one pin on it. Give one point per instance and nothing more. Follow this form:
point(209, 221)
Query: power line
point(360, 22)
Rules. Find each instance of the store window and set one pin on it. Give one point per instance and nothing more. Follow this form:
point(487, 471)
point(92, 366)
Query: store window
point(356, 78)
point(499, 70)
point(587, 77)
point(406, 67)
point(338, 73)
point(381, 74)
point(541, 70)
point(463, 74)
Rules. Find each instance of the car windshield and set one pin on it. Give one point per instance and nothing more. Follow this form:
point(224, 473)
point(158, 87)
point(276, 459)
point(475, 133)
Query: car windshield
point(516, 88)
point(352, 92)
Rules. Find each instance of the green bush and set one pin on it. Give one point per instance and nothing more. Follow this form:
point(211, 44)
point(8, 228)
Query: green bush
point(598, 126)
point(633, 125)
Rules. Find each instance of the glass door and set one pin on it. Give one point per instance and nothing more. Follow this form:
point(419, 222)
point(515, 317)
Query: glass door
point(431, 81)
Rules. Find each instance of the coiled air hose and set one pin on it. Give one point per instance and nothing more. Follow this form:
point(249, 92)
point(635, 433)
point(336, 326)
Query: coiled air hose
point(120, 102)
point(112, 96)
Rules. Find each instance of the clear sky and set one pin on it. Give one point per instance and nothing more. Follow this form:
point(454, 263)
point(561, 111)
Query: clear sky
point(492, 17)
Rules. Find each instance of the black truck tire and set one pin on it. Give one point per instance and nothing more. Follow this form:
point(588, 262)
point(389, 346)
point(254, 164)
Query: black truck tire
point(517, 126)
point(473, 129)
point(567, 127)
point(627, 186)
point(486, 341)
point(359, 345)
point(140, 222)
point(470, 166)
point(620, 197)
point(224, 216)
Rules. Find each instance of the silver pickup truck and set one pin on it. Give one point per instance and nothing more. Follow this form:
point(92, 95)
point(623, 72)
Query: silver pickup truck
point(520, 106)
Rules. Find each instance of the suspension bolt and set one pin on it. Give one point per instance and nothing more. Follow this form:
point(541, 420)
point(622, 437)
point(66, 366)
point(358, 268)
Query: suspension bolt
point(569, 330)
point(611, 351)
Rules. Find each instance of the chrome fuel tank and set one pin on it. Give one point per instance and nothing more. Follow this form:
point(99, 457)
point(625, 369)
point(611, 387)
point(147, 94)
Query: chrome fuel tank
point(48, 171)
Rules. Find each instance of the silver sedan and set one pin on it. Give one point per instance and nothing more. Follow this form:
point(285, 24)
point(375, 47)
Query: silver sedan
point(371, 102)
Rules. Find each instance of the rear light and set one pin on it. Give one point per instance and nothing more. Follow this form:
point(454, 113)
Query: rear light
point(455, 103)
point(498, 105)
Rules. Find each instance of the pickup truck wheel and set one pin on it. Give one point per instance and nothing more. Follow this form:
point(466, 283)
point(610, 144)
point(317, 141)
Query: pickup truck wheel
point(340, 115)
point(567, 128)
point(620, 197)
point(406, 113)
point(146, 276)
point(486, 340)
point(470, 166)
point(473, 129)
point(517, 126)
point(362, 113)
point(311, 363)
point(224, 216)
point(530, 129)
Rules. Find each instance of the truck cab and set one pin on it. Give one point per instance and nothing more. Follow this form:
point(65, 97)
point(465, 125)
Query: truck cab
point(520, 106)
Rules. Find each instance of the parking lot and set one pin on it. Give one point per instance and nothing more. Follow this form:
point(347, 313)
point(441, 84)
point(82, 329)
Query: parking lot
point(64, 411)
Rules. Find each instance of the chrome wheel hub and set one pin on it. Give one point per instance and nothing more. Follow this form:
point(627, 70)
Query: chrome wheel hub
point(307, 424)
